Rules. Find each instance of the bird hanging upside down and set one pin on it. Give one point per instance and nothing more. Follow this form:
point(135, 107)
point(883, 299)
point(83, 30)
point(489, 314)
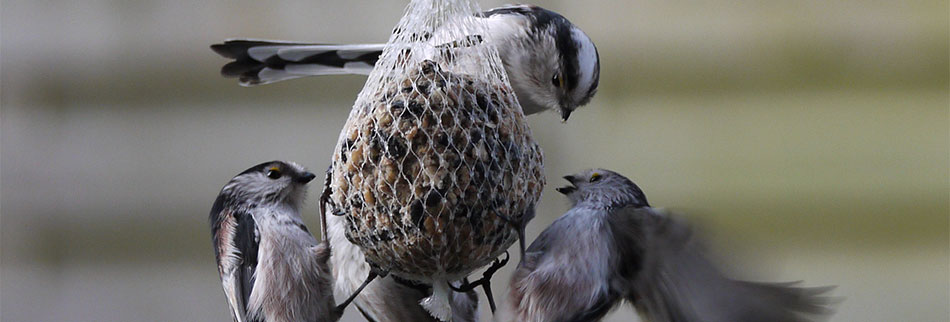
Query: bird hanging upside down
point(551, 63)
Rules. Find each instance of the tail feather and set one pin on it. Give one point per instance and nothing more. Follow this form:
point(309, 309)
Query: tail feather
point(259, 62)
point(238, 48)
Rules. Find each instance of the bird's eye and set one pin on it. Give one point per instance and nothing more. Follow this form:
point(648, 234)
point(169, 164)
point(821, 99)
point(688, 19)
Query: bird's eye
point(273, 173)
point(556, 80)
point(594, 177)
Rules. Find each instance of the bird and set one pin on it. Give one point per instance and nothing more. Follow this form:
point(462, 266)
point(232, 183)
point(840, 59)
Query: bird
point(387, 299)
point(551, 63)
point(271, 266)
point(612, 246)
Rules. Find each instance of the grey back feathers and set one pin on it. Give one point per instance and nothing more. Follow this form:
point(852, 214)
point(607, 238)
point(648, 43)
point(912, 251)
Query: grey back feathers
point(612, 246)
point(271, 267)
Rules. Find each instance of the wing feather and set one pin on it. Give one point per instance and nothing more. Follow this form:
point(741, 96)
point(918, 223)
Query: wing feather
point(669, 277)
point(236, 242)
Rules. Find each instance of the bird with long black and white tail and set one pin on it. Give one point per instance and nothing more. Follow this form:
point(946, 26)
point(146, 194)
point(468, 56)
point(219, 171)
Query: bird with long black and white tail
point(436, 167)
point(551, 63)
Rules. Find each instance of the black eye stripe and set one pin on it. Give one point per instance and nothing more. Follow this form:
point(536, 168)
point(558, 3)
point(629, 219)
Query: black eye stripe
point(564, 38)
point(566, 45)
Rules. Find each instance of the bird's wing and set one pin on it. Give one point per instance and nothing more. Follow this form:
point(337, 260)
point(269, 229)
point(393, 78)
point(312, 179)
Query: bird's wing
point(259, 62)
point(236, 242)
point(669, 278)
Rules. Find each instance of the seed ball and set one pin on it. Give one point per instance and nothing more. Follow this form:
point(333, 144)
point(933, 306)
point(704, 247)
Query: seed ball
point(428, 164)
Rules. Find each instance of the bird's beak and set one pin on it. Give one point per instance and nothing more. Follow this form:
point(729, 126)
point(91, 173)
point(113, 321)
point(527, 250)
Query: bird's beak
point(568, 189)
point(305, 177)
point(565, 113)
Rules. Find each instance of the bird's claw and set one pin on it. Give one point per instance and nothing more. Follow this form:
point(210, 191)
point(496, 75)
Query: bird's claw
point(324, 200)
point(374, 272)
point(496, 265)
point(485, 281)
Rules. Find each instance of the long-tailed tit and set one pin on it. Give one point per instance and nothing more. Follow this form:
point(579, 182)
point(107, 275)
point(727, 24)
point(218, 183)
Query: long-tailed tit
point(272, 268)
point(551, 64)
point(613, 246)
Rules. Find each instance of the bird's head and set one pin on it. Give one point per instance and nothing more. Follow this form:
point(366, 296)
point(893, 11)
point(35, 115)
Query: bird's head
point(576, 78)
point(556, 68)
point(603, 188)
point(270, 183)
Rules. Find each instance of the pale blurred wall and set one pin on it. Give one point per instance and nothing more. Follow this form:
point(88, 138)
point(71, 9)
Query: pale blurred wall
point(810, 136)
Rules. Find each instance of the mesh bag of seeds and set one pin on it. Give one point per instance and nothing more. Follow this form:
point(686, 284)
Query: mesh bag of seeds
point(436, 153)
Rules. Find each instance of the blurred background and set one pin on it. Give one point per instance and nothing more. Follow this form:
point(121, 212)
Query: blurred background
point(811, 137)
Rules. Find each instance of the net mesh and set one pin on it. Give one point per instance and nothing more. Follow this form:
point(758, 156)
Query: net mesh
point(436, 151)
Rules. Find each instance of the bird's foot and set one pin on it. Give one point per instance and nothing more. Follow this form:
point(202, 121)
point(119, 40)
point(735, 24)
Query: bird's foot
point(374, 272)
point(485, 281)
point(324, 200)
point(519, 226)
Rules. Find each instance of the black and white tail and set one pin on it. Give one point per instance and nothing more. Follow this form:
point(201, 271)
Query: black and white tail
point(259, 62)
